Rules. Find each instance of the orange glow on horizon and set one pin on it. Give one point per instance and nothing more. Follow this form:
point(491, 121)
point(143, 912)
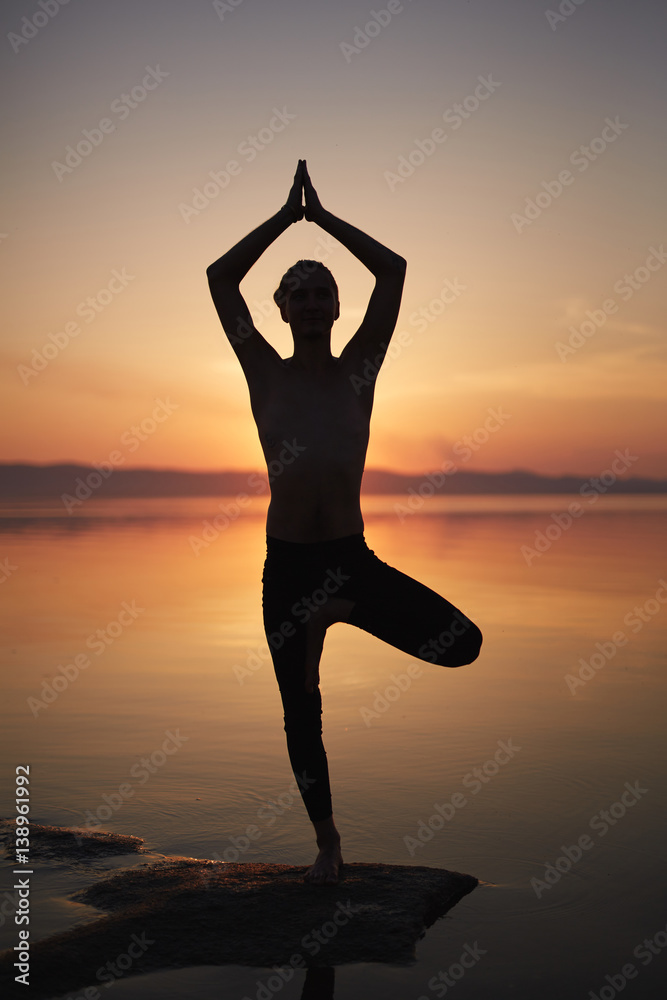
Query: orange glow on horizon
point(526, 294)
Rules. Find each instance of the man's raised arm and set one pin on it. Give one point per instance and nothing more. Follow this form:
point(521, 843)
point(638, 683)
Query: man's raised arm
point(388, 267)
point(226, 273)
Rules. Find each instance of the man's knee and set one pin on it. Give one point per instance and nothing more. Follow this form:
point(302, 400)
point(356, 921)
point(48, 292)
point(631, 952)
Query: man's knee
point(468, 649)
point(463, 651)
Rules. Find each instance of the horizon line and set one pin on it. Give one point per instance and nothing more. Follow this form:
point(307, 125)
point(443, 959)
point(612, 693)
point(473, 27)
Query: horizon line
point(377, 470)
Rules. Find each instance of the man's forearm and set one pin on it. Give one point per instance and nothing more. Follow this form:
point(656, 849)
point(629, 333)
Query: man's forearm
point(376, 257)
point(236, 263)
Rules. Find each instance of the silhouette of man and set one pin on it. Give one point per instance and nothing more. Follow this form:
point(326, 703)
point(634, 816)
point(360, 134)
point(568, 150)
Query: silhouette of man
point(313, 412)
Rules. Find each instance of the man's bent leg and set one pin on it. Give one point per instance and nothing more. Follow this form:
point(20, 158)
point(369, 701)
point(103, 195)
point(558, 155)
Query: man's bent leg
point(414, 618)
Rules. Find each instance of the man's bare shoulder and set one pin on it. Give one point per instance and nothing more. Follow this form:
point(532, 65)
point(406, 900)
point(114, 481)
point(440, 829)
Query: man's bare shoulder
point(264, 369)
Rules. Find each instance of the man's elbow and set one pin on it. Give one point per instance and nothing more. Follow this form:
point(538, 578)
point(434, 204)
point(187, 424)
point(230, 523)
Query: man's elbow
point(217, 273)
point(394, 267)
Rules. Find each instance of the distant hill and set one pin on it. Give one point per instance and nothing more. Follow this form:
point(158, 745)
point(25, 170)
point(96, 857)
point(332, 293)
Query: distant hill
point(52, 481)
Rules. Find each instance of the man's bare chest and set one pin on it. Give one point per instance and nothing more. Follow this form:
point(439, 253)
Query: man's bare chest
point(319, 413)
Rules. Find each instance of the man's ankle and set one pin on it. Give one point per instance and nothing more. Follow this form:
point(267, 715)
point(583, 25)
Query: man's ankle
point(329, 839)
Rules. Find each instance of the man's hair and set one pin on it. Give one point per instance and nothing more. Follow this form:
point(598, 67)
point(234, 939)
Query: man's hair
point(297, 273)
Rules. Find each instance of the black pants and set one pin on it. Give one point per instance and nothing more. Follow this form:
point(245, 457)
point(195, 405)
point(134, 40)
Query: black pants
point(300, 577)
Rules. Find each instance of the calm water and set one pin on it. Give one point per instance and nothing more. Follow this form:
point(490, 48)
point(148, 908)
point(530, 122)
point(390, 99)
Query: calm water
point(189, 658)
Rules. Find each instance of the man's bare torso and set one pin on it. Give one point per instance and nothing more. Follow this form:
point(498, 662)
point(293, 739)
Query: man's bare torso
point(314, 430)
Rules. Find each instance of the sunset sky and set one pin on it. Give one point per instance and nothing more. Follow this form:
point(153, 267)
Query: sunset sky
point(484, 105)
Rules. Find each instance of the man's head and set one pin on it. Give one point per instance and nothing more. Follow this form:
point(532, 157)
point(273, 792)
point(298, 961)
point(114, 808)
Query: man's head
point(307, 297)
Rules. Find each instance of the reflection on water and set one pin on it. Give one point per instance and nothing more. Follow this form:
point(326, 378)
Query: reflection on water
point(139, 689)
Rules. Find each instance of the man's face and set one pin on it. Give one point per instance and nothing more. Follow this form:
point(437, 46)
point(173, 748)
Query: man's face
point(312, 307)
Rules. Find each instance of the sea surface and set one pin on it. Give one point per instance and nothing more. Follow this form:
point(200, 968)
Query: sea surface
point(565, 827)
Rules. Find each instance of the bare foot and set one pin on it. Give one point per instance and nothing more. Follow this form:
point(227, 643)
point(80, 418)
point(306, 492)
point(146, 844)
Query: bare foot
point(327, 864)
